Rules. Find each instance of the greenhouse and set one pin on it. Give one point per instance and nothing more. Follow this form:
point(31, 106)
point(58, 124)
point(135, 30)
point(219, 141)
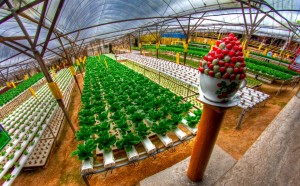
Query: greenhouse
point(154, 92)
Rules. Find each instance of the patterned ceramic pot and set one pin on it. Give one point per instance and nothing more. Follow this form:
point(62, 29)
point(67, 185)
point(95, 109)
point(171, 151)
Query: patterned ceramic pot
point(219, 90)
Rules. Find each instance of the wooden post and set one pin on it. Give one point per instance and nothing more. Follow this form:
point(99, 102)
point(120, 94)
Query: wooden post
point(208, 130)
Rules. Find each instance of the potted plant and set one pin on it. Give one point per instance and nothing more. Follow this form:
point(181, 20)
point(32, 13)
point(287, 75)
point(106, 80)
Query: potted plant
point(223, 70)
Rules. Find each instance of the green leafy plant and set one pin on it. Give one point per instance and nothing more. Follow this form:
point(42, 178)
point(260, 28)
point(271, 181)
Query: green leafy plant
point(85, 151)
point(142, 130)
point(162, 128)
point(105, 141)
point(127, 141)
point(83, 133)
point(137, 117)
point(103, 126)
point(175, 120)
point(122, 125)
point(7, 177)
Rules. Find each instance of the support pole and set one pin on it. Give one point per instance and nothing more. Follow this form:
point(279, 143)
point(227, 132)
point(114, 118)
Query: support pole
point(239, 124)
point(208, 130)
point(38, 56)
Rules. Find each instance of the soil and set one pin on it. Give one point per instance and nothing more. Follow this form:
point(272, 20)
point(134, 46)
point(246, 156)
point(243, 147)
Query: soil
point(63, 169)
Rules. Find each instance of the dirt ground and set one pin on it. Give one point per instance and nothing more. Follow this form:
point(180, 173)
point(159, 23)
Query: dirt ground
point(63, 169)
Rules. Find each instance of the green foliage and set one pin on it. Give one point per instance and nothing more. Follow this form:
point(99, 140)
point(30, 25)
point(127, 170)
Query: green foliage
point(85, 151)
point(163, 127)
point(142, 130)
point(273, 58)
point(270, 69)
point(13, 92)
point(137, 117)
point(192, 121)
point(7, 177)
point(122, 125)
point(127, 141)
point(105, 141)
point(83, 133)
point(103, 126)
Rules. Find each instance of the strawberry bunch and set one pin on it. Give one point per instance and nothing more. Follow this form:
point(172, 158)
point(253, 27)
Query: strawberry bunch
point(225, 60)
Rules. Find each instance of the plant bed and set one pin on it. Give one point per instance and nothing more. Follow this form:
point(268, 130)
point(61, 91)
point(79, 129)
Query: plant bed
point(116, 105)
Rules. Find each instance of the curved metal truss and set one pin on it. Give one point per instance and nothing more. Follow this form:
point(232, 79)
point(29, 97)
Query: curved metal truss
point(63, 28)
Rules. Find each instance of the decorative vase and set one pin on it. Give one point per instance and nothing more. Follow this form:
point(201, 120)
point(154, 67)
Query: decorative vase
point(219, 90)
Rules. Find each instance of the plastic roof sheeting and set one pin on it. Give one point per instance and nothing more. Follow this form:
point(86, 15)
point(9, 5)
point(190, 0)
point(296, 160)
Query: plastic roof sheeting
point(106, 20)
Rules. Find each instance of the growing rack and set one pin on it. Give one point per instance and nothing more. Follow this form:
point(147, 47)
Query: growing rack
point(27, 125)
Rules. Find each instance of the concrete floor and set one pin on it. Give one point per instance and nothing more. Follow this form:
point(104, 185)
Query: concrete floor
point(219, 164)
point(272, 160)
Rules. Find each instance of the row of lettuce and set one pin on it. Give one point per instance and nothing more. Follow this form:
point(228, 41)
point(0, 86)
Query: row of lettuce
point(269, 69)
point(14, 92)
point(121, 107)
point(263, 68)
point(192, 50)
point(268, 57)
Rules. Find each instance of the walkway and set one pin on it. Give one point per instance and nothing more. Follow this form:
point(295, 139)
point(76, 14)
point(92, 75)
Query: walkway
point(272, 160)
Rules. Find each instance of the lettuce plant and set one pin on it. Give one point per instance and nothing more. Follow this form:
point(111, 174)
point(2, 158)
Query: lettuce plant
point(105, 141)
point(85, 151)
point(83, 133)
point(127, 141)
point(142, 130)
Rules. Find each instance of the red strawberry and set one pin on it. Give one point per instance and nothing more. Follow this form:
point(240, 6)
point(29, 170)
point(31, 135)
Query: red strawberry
point(233, 59)
point(236, 48)
point(240, 54)
point(222, 69)
point(225, 76)
point(232, 77)
point(234, 39)
point(242, 70)
point(227, 41)
point(201, 70)
point(231, 34)
point(225, 52)
point(240, 48)
point(224, 39)
point(221, 56)
point(242, 76)
point(211, 66)
point(210, 58)
point(231, 53)
point(215, 48)
point(236, 70)
point(218, 51)
point(233, 43)
point(211, 73)
point(221, 63)
point(212, 54)
point(231, 65)
point(241, 59)
point(237, 42)
point(230, 38)
point(229, 46)
point(205, 58)
point(226, 65)
point(243, 64)
point(218, 42)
